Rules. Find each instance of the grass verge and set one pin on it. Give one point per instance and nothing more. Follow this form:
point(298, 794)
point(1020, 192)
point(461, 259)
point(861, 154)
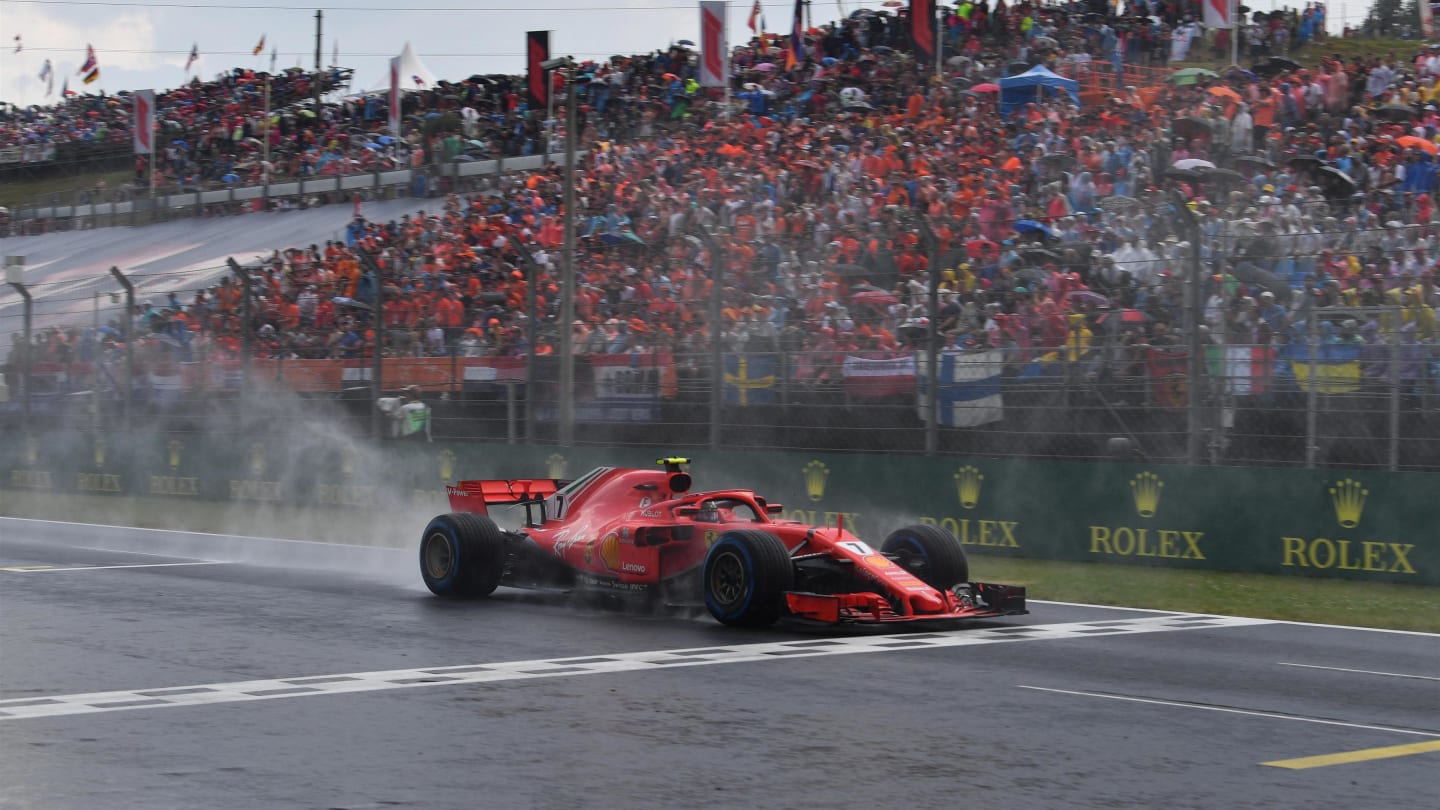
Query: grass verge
point(30, 192)
point(1302, 599)
point(1311, 54)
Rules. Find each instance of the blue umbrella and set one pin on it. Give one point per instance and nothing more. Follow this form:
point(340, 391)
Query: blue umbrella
point(385, 139)
point(828, 61)
point(230, 178)
point(685, 42)
point(1031, 226)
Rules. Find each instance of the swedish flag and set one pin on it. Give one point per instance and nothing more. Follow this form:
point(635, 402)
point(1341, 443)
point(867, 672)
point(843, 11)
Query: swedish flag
point(751, 379)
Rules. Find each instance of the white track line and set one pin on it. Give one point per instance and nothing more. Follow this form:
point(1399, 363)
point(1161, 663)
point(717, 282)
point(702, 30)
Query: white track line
point(1268, 621)
point(1228, 710)
point(29, 570)
point(244, 691)
point(1362, 671)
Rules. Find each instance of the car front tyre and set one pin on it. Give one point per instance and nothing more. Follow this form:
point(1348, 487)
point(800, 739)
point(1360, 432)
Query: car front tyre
point(745, 578)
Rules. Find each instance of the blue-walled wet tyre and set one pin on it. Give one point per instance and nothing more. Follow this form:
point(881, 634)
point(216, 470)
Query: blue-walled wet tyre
point(745, 578)
point(932, 554)
point(462, 555)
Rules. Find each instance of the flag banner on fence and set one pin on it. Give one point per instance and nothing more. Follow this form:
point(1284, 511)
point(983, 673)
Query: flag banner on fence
point(537, 82)
point(627, 388)
point(1168, 373)
point(970, 389)
point(922, 28)
point(1337, 367)
point(714, 47)
point(879, 374)
point(143, 128)
point(395, 96)
point(1246, 370)
point(751, 379)
point(490, 374)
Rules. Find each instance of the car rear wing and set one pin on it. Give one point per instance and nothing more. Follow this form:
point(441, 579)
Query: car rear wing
point(477, 496)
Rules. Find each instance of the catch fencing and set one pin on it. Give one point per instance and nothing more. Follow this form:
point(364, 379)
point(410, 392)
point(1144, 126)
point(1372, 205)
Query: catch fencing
point(1356, 389)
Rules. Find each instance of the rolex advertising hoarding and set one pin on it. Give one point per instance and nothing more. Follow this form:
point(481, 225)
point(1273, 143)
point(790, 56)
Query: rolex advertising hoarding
point(1353, 524)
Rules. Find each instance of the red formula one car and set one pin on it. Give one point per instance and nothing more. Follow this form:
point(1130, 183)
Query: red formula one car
point(642, 531)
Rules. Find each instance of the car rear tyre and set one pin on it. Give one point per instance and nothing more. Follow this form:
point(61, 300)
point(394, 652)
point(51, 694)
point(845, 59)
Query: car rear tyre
point(462, 555)
point(932, 554)
point(746, 576)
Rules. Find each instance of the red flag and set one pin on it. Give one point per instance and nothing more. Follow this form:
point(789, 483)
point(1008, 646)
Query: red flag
point(755, 17)
point(90, 61)
point(714, 53)
point(922, 27)
point(537, 50)
point(143, 105)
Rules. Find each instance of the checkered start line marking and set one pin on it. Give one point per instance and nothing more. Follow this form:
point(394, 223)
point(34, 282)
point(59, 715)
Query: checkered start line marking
point(348, 683)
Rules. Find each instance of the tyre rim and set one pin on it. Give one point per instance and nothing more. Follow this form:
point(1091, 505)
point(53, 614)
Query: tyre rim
point(727, 578)
point(911, 558)
point(439, 559)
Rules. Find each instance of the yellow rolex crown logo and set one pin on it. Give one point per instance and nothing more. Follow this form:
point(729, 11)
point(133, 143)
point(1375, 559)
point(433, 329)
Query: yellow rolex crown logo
point(556, 464)
point(99, 451)
point(1348, 497)
point(1145, 488)
point(816, 474)
point(257, 460)
point(447, 465)
point(32, 450)
point(172, 452)
point(967, 484)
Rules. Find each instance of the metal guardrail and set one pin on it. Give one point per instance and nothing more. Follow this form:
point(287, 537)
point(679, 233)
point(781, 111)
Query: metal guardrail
point(32, 220)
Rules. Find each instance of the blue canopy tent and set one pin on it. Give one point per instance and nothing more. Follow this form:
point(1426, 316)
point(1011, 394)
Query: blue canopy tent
point(1032, 85)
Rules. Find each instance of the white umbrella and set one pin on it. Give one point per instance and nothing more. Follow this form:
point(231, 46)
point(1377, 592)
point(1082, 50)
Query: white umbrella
point(1194, 163)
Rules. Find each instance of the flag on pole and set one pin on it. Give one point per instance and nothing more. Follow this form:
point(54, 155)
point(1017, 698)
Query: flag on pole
point(795, 54)
point(755, 17)
point(537, 79)
point(47, 75)
point(1217, 14)
point(395, 97)
point(91, 69)
point(714, 49)
point(274, 54)
point(65, 91)
point(143, 130)
point(194, 54)
point(335, 54)
point(259, 46)
point(19, 46)
point(922, 28)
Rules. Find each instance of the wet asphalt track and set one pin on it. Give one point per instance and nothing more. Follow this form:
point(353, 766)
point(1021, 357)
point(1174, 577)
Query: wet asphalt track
point(957, 719)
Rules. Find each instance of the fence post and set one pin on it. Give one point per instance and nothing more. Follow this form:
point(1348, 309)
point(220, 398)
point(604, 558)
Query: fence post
point(717, 360)
point(14, 276)
point(1312, 397)
point(532, 272)
point(1395, 381)
point(129, 345)
point(932, 341)
point(377, 389)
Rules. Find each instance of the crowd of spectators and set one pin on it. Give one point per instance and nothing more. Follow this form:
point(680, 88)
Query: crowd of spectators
point(830, 193)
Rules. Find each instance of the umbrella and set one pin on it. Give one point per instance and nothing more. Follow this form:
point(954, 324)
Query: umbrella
point(1058, 160)
point(1412, 142)
point(1034, 253)
point(1131, 316)
point(765, 67)
point(1280, 64)
point(685, 42)
point(874, 298)
point(1250, 274)
point(1224, 92)
point(386, 139)
point(893, 4)
point(853, 270)
point(1336, 179)
point(1304, 161)
point(230, 178)
point(1189, 76)
point(1395, 112)
point(1117, 203)
point(1258, 163)
point(1086, 298)
point(986, 87)
point(1031, 226)
point(1190, 164)
point(858, 105)
point(1191, 127)
point(1217, 175)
